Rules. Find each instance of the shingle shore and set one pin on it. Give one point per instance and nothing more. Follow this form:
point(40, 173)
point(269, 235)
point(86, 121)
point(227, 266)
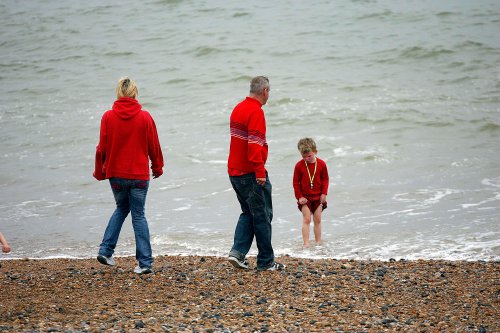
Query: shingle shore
point(206, 294)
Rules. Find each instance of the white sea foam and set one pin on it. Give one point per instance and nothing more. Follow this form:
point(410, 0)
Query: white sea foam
point(494, 182)
point(496, 198)
point(217, 161)
point(185, 207)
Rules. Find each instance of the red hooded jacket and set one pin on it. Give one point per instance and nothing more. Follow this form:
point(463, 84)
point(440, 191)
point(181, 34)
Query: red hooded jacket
point(128, 140)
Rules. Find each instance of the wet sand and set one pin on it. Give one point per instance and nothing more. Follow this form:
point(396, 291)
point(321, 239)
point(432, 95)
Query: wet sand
point(206, 294)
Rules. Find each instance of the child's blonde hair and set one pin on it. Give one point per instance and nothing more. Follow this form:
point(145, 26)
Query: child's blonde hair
point(126, 87)
point(306, 145)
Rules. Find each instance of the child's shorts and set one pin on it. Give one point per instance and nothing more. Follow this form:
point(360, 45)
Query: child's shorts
point(313, 205)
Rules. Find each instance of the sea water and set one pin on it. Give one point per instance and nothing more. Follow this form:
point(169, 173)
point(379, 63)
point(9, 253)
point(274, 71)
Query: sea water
point(402, 99)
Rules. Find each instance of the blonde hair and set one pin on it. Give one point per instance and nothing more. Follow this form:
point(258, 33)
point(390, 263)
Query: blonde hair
point(306, 145)
point(126, 87)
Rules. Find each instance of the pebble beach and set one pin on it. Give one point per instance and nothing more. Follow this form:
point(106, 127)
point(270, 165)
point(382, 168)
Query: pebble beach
point(207, 294)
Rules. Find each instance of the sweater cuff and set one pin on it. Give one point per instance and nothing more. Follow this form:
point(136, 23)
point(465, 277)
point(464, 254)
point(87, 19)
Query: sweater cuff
point(157, 171)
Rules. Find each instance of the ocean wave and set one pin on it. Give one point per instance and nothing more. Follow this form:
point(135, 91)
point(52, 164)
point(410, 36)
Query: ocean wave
point(489, 127)
point(418, 52)
point(445, 14)
point(379, 15)
point(241, 14)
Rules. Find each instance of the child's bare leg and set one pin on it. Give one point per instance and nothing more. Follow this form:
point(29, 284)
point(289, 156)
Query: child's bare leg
point(306, 221)
point(317, 224)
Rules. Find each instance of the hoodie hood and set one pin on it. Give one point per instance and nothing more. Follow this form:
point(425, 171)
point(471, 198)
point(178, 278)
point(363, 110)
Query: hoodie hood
point(126, 108)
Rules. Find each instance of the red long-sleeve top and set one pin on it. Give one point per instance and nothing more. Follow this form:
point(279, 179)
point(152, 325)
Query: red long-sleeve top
point(302, 183)
point(128, 140)
point(248, 148)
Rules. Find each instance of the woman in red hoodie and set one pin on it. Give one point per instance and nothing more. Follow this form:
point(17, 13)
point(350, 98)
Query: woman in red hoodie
point(128, 141)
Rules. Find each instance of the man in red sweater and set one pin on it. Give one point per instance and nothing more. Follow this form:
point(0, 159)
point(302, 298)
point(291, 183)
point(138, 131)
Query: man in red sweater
point(246, 167)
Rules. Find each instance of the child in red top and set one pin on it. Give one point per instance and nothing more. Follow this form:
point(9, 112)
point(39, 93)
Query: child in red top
point(310, 184)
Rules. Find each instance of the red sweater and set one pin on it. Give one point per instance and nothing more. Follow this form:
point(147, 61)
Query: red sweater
point(302, 183)
point(248, 148)
point(128, 139)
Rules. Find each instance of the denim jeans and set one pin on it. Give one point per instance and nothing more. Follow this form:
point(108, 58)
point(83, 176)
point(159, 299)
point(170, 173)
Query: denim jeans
point(255, 219)
point(130, 196)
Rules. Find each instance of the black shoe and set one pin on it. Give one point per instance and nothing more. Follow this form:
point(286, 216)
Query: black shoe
point(274, 267)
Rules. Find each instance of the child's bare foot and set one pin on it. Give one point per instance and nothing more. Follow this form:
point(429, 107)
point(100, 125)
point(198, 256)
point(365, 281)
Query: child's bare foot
point(306, 245)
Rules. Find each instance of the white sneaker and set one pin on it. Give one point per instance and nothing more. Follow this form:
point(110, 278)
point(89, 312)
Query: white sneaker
point(106, 260)
point(142, 270)
point(238, 263)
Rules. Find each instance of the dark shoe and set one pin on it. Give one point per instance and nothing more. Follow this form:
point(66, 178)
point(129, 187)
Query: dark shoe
point(238, 263)
point(274, 267)
point(106, 260)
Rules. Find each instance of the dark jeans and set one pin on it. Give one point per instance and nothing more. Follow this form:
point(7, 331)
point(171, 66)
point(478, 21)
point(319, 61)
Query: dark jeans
point(130, 197)
point(255, 219)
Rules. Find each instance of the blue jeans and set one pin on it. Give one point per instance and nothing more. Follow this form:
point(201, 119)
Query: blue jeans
point(255, 219)
point(130, 196)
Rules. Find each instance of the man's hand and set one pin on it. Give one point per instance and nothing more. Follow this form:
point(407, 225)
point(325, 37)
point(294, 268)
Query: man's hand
point(261, 181)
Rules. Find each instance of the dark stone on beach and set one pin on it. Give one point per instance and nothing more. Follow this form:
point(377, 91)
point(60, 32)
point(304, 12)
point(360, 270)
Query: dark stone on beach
point(139, 324)
point(381, 271)
point(166, 328)
point(202, 259)
point(262, 300)
point(481, 329)
point(248, 314)
point(392, 260)
point(480, 304)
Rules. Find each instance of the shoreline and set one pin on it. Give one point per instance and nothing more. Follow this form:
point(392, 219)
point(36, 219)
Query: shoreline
point(204, 293)
point(7, 257)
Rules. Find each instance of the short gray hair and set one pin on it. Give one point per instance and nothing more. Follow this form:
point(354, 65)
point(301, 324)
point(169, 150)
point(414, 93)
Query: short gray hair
point(258, 84)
